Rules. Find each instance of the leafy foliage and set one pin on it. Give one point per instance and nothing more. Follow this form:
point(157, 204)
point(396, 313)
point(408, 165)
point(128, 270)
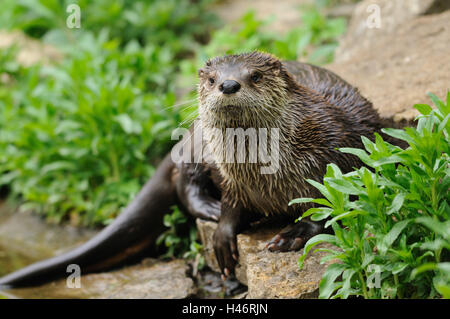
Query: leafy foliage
point(79, 137)
point(399, 224)
point(314, 40)
point(180, 240)
point(160, 22)
point(75, 137)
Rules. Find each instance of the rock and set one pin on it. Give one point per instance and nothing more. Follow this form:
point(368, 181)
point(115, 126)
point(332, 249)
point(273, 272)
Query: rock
point(211, 286)
point(150, 279)
point(392, 14)
point(30, 51)
point(344, 10)
point(401, 66)
point(268, 274)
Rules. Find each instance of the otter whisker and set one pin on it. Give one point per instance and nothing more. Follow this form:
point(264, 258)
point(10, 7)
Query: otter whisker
point(191, 102)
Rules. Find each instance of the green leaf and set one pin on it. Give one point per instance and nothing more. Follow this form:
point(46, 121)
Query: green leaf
point(322, 201)
point(400, 134)
point(323, 190)
point(127, 124)
point(399, 267)
point(313, 242)
point(344, 186)
point(345, 215)
point(300, 200)
point(387, 160)
point(445, 267)
point(425, 109)
point(392, 235)
point(363, 156)
point(441, 228)
point(326, 286)
point(57, 166)
point(396, 204)
point(439, 104)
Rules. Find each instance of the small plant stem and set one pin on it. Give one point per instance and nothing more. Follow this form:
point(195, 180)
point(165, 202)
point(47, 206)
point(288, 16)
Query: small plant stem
point(399, 293)
point(363, 284)
point(434, 203)
point(437, 255)
point(115, 165)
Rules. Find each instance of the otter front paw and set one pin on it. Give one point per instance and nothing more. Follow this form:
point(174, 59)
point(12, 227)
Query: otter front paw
point(294, 237)
point(209, 210)
point(225, 248)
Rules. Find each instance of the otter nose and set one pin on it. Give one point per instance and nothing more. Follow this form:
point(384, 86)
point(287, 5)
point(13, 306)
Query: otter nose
point(229, 87)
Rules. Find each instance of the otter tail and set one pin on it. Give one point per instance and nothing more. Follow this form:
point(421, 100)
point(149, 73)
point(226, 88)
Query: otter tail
point(134, 230)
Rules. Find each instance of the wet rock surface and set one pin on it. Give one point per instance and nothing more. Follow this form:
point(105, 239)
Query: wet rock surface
point(396, 65)
point(211, 286)
point(268, 274)
point(151, 279)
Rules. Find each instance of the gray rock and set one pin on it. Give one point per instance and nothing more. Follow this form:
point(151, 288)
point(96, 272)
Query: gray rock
point(396, 69)
point(392, 14)
point(149, 280)
point(268, 274)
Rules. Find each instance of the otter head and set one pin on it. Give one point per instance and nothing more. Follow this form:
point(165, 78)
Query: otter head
point(245, 90)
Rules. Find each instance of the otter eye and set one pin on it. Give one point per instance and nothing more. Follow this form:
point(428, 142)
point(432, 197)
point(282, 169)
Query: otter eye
point(211, 81)
point(256, 77)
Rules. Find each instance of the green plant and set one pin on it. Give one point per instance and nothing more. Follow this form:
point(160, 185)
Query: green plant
point(160, 22)
point(76, 138)
point(180, 239)
point(315, 39)
point(399, 222)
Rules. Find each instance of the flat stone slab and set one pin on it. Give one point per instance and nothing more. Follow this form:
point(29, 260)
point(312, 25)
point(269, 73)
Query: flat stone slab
point(268, 274)
point(151, 279)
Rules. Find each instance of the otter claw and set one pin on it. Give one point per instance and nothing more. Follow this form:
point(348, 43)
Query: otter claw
point(294, 236)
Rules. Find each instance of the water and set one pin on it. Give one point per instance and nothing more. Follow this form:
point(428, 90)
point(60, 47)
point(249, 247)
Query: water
point(12, 260)
point(25, 238)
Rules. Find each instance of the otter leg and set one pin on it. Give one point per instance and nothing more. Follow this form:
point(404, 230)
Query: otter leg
point(294, 237)
point(194, 185)
point(204, 207)
point(232, 221)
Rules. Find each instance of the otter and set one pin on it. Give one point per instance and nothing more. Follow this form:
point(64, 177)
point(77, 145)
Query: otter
point(314, 111)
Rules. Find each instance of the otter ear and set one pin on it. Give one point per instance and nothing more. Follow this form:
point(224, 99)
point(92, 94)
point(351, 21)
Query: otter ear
point(201, 72)
point(276, 66)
